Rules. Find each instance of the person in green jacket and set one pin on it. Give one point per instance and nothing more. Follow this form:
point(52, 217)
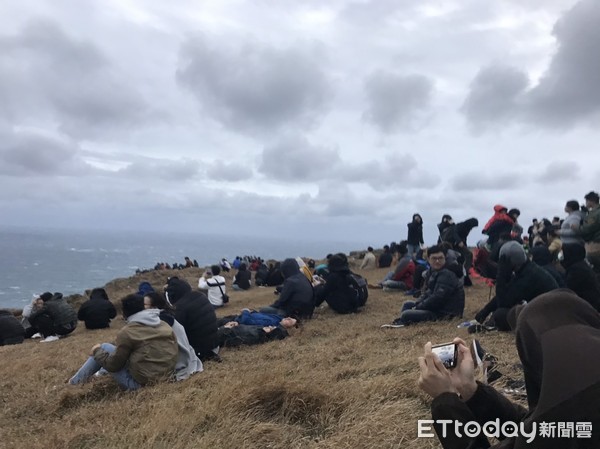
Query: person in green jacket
point(145, 351)
point(590, 231)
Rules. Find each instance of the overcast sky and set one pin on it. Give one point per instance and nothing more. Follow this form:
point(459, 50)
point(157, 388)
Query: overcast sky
point(336, 119)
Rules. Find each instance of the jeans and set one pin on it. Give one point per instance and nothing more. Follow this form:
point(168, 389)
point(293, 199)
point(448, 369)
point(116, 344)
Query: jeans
point(409, 315)
point(237, 288)
point(394, 284)
point(90, 367)
point(413, 250)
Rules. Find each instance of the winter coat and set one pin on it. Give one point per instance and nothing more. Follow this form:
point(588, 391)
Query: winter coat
point(242, 279)
point(258, 318)
point(529, 281)
point(444, 296)
point(11, 331)
point(146, 346)
point(243, 334)
point(568, 235)
point(580, 276)
point(97, 311)
point(196, 315)
point(59, 310)
point(590, 231)
point(415, 233)
point(297, 296)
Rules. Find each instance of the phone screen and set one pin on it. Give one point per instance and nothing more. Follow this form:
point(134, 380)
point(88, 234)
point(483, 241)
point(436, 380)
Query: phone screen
point(447, 352)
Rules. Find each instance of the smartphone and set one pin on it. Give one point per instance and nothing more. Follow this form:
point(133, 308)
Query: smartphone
point(448, 354)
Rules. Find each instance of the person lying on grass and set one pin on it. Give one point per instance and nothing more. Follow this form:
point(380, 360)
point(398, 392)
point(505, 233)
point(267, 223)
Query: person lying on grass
point(145, 351)
point(233, 333)
point(254, 318)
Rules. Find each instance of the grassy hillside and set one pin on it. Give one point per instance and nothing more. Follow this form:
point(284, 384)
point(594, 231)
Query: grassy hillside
point(338, 382)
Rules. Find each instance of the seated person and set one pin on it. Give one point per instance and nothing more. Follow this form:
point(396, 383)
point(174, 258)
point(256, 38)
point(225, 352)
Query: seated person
point(197, 316)
point(296, 298)
point(580, 276)
point(443, 298)
point(274, 275)
point(215, 285)
point(562, 380)
point(262, 273)
point(322, 269)
point(188, 362)
point(11, 331)
point(145, 351)
point(144, 288)
point(56, 318)
point(402, 276)
point(241, 280)
point(97, 311)
point(542, 257)
point(369, 260)
point(339, 291)
point(385, 259)
point(36, 304)
point(234, 334)
point(529, 281)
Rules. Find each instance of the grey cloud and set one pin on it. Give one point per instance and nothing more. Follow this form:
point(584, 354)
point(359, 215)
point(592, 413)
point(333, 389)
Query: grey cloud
point(494, 96)
point(559, 171)
point(256, 88)
point(164, 169)
point(295, 159)
point(228, 171)
point(397, 102)
point(471, 181)
point(46, 74)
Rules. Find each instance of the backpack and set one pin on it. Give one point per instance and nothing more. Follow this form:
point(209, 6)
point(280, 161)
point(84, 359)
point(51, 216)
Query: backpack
point(359, 285)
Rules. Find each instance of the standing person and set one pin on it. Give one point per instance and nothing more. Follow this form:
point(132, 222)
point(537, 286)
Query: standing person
point(590, 231)
point(215, 285)
point(442, 225)
point(369, 261)
point(97, 311)
point(569, 230)
point(55, 319)
point(145, 350)
point(415, 235)
point(241, 280)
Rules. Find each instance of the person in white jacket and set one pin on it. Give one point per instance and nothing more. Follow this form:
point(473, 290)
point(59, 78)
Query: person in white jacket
point(215, 284)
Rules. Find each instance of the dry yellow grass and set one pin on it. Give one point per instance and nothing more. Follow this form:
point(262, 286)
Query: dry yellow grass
point(338, 382)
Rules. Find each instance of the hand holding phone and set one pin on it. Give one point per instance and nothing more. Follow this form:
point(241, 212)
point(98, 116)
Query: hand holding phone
point(447, 353)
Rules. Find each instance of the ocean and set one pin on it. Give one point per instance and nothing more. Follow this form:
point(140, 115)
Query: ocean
point(33, 261)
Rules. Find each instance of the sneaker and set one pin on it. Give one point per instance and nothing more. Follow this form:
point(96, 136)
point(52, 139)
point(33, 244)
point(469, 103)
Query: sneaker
point(392, 326)
point(36, 335)
point(50, 338)
point(466, 324)
point(374, 286)
point(411, 292)
point(481, 356)
point(480, 328)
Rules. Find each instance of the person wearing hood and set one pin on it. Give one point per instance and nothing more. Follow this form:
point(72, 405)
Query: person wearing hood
point(145, 350)
point(541, 256)
point(188, 362)
point(97, 311)
point(569, 230)
point(528, 282)
point(500, 223)
point(446, 222)
point(11, 331)
point(414, 239)
point(580, 276)
point(55, 319)
point(197, 316)
point(296, 298)
point(337, 292)
point(557, 336)
point(242, 279)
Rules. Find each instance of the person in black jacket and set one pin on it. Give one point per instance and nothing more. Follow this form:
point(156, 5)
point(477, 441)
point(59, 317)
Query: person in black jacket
point(97, 311)
point(11, 331)
point(241, 281)
point(56, 318)
point(528, 282)
point(557, 337)
point(444, 297)
point(580, 276)
point(540, 254)
point(385, 258)
point(196, 314)
point(337, 291)
point(415, 235)
point(297, 297)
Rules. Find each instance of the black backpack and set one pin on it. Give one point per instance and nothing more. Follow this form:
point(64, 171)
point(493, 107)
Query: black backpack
point(359, 285)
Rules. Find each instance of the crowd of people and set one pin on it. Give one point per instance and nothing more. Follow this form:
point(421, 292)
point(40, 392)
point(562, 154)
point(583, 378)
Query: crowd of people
point(547, 290)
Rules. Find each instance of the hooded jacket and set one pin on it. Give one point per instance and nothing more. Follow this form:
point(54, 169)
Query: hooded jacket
point(415, 233)
point(60, 312)
point(580, 276)
point(444, 296)
point(464, 228)
point(498, 216)
point(297, 297)
point(146, 346)
point(11, 331)
point(555, 336)
point(243, 277)
point(244, 334)
point(541, 256)
point(97, 311)
point(337, 291)
point(196, 314)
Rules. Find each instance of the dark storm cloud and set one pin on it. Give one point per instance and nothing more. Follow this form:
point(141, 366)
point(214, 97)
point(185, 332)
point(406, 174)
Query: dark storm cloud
point(256, 87)
point(47, 74)
point(472, 181)
point(494, 96)
point(295, 159)
point(224, 171)
point(396, 102)
point(567, 93)
point(26, 153)
point(559, 171)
